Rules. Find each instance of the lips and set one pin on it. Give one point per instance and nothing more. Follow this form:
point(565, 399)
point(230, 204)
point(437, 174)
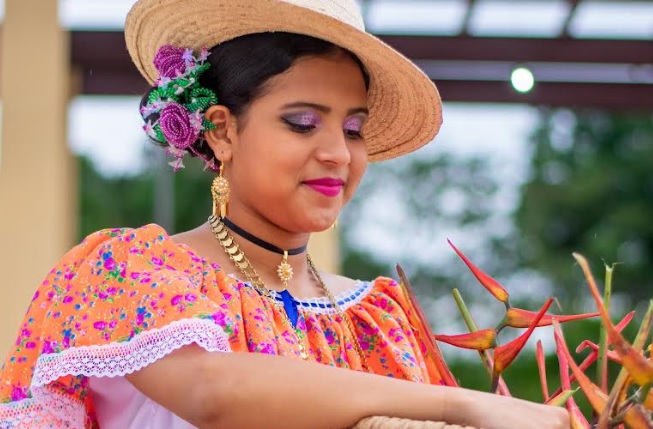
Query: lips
point(327, 186)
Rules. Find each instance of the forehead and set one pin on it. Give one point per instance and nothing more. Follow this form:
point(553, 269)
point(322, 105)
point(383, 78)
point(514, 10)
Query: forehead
point(335, 80)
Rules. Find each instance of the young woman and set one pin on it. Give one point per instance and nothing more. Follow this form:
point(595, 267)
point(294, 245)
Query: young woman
point(230, 325)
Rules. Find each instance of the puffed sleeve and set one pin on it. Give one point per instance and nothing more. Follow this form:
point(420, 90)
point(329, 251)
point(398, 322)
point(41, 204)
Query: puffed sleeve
point(389, 330)
point(116, 303)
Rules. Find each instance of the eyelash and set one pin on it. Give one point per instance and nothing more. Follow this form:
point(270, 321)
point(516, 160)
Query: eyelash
point(353, 134)
point(299, 128)
point(304, 129)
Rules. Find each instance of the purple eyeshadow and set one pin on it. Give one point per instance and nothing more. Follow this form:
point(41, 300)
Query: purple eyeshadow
point(354, 124)
point(306, 119)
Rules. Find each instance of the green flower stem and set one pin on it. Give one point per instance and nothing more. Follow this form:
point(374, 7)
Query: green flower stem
point(602, 363)
point(472, 327)
point(467, 316)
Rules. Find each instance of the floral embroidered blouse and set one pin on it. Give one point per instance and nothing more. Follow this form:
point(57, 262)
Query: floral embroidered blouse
point(125, 298)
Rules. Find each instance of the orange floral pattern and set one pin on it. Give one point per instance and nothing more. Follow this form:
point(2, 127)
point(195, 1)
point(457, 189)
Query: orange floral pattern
point(125, 298)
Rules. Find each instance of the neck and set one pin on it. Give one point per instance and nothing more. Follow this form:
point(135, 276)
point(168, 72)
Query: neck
point(252, 238)
point(266, 231)
point(265, 261)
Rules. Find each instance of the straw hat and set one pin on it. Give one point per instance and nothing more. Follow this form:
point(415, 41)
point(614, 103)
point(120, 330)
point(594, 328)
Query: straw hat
point(405, 107)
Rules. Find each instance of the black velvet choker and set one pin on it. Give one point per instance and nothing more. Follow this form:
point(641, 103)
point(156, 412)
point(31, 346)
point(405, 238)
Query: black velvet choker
point(260, 242)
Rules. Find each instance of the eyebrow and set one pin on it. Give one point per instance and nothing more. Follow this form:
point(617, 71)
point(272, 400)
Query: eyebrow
point(323, 108)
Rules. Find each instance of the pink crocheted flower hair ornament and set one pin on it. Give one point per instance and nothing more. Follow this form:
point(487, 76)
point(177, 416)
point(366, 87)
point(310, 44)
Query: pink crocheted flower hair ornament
point(178, 103)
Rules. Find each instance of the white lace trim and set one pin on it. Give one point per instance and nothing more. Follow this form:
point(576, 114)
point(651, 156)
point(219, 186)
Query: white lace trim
point(49, 409)
point(118, 359)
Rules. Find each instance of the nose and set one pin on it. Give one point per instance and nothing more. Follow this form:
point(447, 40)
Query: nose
point(334, 148)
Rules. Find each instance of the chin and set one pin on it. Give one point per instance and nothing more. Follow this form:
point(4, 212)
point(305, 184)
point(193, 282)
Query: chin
point(320, 225)
point(322, 228)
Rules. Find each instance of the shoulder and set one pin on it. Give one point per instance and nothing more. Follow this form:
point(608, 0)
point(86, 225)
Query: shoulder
point(338, 284)
point(125, 245)
point(151, 232)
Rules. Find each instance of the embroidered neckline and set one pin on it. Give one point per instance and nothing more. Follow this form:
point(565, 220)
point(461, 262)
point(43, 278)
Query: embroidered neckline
point(345, 299)
point(322, 305)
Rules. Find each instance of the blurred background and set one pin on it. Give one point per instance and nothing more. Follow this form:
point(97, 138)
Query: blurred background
point(546, 149)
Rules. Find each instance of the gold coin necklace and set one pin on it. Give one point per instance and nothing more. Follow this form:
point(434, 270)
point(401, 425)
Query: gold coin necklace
point(221, 227)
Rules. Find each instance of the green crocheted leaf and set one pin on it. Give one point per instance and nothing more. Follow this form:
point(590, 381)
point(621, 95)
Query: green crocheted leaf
point(200, 99)
point(156, 95)
point(159, 134)
point(183, 82)
point(201, 69)
point(171, 94)
point(208, 126)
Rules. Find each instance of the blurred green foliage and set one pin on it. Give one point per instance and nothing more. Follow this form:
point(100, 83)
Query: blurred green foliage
point(108, 202)
point(590, 191)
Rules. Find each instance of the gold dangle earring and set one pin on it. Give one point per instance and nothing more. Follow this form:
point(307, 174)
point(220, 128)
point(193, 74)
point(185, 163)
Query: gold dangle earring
point(220, 190)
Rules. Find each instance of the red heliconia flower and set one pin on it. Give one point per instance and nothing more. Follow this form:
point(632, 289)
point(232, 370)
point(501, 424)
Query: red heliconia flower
point(565, 381)
point(612, 355)
point(586, 363)
point(478, 340)
point(518, 318)
point(635, 416)
point(639, 368)
point(594, 354)
point(506, 353)
point(595, 395)
point(541, 366)
point(625, 321)
point(493, 286)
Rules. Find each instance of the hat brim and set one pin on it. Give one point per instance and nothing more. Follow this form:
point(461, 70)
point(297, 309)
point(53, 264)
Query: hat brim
point(405, 106)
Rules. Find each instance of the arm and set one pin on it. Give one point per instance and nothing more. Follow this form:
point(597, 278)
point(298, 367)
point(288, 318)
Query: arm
point(255, 391)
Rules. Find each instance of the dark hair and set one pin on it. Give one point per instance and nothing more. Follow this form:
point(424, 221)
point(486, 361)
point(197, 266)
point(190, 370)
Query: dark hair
point(240, 69)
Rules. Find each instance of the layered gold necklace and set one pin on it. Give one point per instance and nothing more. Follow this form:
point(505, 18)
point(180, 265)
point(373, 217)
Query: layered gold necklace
point(284, 271)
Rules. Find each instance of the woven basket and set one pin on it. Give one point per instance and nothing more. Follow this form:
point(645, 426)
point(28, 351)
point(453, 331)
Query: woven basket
point(394, 423)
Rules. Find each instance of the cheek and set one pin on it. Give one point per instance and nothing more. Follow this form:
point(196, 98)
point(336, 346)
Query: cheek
point(358, 164)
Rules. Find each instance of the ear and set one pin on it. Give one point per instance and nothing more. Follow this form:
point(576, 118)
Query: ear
point(220, 138)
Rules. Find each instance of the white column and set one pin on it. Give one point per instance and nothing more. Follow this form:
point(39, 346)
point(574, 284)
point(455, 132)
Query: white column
point(37, 175)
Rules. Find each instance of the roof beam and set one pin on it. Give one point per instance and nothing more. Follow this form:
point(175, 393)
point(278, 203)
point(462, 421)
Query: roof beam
point(106, 50)
point(604, 96)
point(553, 94)
point(523, 49)
point(106, 69)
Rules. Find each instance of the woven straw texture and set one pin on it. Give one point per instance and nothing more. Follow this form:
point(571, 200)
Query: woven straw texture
point(405, 106)
point(393, 423)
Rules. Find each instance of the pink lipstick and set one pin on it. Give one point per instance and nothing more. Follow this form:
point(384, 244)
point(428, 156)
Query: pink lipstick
point(326, 186)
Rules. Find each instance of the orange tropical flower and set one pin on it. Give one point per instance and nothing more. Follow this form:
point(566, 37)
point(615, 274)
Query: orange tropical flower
point(518, 318)
point(506, 353)
point(587, 344)
point(593, 393)
point(478, 340)
point(493, 286)
point(640, 368)
point(636, 416)
point(541, 366)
